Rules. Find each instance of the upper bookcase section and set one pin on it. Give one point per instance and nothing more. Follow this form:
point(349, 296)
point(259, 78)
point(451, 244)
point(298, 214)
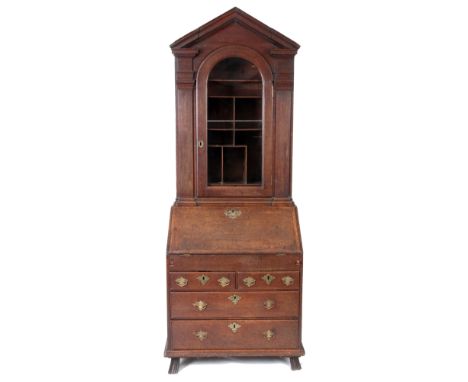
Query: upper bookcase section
point(234, 83)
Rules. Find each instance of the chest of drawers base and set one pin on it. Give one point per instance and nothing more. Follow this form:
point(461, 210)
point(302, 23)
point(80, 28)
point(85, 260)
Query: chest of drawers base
point(229, 305)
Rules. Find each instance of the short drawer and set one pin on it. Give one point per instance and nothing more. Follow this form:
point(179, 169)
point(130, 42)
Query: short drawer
point(247, 262)
point(234, 334)
point(268, 280)
point(182, 281)
point(201, 305)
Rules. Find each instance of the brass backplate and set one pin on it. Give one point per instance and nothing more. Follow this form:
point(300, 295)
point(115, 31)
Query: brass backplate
point(181, 281)
point(288, 280)
point(269, 334)
point(232, 213)
point(201, 335)
point(269, 304)
point(224, 282)
point(200, 305)
point(249, 281)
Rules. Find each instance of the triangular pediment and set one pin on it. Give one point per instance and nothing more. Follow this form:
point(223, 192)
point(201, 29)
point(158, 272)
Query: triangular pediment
point(235, 15)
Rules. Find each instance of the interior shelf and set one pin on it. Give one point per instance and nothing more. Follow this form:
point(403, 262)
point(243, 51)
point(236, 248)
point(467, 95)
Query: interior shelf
point(234, 124)
point(234, 80)
point(234, 120)
point(236, 96)
point(251, 129)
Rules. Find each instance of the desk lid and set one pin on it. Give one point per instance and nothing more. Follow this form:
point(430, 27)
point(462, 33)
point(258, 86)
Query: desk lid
point(231, 230)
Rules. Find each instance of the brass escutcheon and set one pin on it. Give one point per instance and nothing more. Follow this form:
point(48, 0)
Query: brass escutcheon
point(181, 281)
point(224, 281)
point(249, 281)
point(268, 278)
point(288, 280)
point(203, 279)
point(232, 213)
point(234, 327)
point(234, 298)
point(200, 305)
point(201, 335)
point(269, 304)
point(269, 334)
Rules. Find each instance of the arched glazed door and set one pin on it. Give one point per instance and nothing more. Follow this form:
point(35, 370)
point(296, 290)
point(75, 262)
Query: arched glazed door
point(234, 126)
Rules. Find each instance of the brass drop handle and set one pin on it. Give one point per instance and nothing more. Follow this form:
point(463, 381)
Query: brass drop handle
point(269, 334)
point(269, 304)
point(224, 282)
point(232, 213)
point(249, 281)
point(200, 305)
point(201, 335)
point(181, 281)
point(288, 280)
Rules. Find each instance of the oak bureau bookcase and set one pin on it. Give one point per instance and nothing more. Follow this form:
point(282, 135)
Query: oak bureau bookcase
point(234, 253)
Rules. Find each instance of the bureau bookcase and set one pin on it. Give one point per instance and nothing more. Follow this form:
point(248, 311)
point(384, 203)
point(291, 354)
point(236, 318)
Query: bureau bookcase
point(234, 253)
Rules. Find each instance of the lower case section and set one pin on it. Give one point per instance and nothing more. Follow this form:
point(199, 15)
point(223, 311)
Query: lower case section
point(224, 335)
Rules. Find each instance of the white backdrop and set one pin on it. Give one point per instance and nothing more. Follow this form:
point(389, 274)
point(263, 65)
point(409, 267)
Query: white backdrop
point(87, 177)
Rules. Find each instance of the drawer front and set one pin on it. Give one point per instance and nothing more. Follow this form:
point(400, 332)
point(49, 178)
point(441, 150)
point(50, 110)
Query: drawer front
point(235, 334)
point(181, 281)
point(204, 305)
point(268, 280)
point(254, 262)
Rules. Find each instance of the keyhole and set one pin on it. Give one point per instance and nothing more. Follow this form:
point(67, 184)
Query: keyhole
point(268, 278)
point(203, 279)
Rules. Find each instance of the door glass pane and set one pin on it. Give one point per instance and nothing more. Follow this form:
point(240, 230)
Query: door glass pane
point(235, 124)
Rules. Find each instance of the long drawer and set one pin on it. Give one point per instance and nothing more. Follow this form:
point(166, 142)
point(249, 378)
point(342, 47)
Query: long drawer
point(247, 262)
point(235, 334)
point(203, 305)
